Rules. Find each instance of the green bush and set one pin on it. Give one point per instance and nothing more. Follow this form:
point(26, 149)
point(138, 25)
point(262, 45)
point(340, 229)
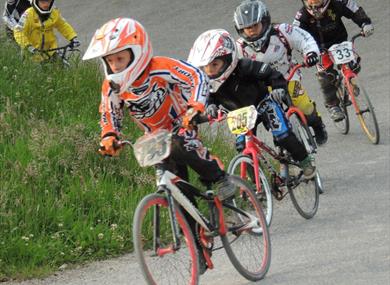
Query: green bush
point(60, 202)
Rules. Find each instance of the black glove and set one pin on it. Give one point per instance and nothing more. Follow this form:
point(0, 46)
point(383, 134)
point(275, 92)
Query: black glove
point(74, 43)
point(311, 58)
point(212, 111)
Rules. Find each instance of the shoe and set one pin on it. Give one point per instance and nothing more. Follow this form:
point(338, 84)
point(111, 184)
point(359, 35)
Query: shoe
point(320, 134)
point(335, 113)
point(225, 189)
point(309, 170)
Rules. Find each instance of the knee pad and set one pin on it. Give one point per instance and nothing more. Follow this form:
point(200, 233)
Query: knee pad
point(274, 118)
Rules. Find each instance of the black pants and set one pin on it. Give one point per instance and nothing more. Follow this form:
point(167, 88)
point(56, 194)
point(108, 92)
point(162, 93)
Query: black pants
point(188, 150)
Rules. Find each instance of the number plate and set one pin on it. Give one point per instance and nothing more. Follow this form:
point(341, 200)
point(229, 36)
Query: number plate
point(342, 53)
point(152, 148)
point(242, 120)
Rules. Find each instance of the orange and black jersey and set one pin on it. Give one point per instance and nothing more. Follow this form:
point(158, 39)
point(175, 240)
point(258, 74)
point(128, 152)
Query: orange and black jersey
point(157, 99)
point(330, 29)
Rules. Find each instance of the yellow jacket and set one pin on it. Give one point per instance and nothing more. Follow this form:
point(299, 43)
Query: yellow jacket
point(31, 31)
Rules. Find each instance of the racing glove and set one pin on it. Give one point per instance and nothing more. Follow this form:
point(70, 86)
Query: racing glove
point(278, 95)
point(74, 43)
point(109, 146)
point(212, 111)
point(367, 30)
point(311, 58)
point(31, 49)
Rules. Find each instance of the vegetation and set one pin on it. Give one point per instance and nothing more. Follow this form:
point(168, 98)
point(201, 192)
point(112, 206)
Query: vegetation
point(60, 202)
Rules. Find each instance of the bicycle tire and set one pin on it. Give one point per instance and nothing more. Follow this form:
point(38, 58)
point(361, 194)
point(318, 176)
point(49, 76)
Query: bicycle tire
point(364, 111)
point(304, 195)
point(248, 248)
point(320, 185)
point(180, 266)
point(303, 133)
point(343, 125)
point(265, 198)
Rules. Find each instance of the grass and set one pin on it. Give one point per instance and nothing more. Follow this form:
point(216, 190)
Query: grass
point(61, 202)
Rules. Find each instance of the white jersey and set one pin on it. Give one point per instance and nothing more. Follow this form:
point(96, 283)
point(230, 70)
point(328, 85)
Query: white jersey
point(284, 38)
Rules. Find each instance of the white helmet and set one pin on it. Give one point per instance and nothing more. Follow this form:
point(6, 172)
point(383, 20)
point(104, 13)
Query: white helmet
point(118, 35)
point(214, 44)
point(316, 7)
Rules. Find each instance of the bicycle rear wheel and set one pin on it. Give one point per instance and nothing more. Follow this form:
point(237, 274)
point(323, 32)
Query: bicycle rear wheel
point(243, 162)
point(152, 237)
point(247, 242)
point(343, 125)
point(304, 193)
point(364, 111)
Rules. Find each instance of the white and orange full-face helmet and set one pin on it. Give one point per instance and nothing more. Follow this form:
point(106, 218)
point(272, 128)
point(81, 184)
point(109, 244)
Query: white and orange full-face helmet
point(214, 44)
point(118, 35)
point(316, 7)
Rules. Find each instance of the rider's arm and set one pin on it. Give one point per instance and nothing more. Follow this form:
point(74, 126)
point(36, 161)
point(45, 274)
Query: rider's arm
point(351, 10)
point(63, 26)
point(191, 80)
point(262, 72)
point(111, 111)
point(23, 28)
point(298, 39)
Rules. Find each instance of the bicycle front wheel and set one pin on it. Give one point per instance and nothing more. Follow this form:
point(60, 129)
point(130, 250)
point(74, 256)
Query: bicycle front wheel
point(242, 165)
point(303, 133)
point(304, 193)
point(364, 110)
point(153, 244)
point(247, 242)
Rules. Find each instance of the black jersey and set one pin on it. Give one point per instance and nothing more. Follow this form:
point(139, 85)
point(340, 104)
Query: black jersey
point(247, 85)
point(330, 29)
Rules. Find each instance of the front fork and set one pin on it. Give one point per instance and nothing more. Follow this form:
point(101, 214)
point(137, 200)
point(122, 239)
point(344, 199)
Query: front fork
point(172, 218)
point(348, 76)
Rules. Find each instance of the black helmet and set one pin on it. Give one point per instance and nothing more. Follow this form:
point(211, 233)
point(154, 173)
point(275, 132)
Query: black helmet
point(249, 13)
point(43, 14)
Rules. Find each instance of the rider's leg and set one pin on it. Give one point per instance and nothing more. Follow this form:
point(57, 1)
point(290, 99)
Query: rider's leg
point(280, 127)
point(188, 149)
point(303, 102)
point(327, 79)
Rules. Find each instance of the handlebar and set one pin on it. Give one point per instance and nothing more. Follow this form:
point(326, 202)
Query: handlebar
point(356, 36)
point(68, 46)
point(294, 69)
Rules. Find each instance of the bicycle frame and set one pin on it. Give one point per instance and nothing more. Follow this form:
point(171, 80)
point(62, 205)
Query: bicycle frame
point(170, 184)
point(254, 148)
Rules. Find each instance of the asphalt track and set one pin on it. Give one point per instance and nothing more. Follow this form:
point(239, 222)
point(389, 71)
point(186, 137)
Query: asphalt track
point(347, 242)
